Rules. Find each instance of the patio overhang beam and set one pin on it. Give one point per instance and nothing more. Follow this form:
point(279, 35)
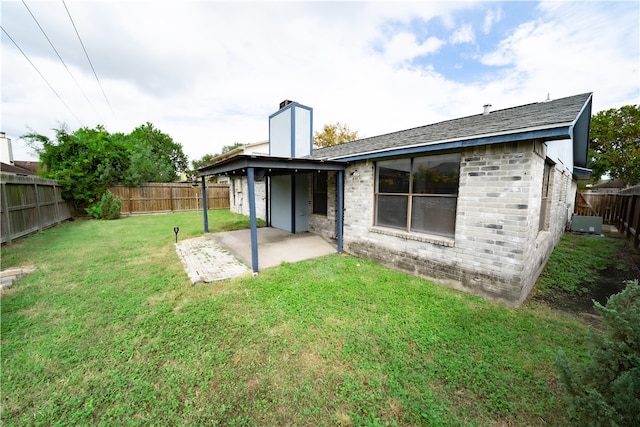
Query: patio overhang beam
point(239, 165)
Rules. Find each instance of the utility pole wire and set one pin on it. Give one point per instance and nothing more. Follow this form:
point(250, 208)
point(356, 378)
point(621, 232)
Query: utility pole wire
point(60, 58)
point(88, 59)
point(41, 75)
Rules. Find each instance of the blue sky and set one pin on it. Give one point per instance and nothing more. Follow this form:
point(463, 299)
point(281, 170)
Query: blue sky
point(459, 40)
point(210, 73)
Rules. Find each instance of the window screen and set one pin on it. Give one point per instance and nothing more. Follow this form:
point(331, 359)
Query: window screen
point(418, 194)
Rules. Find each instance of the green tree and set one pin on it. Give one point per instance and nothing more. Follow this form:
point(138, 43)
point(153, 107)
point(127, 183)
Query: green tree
point(207, 159)
point(606, 391)
point(615, 144)
point(84, 162)
point(87, 161)
point(109, 207)
point(333, 134)
point(155, 156)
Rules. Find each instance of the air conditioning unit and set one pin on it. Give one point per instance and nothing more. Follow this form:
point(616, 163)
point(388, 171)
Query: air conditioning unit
point(586, 224)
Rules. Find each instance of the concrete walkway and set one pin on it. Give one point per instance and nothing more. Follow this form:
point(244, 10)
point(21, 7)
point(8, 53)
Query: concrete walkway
point(205, 261)
point(10, 276)
point(225, 255)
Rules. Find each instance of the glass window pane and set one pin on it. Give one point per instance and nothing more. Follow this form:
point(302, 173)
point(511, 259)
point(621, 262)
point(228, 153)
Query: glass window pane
point(436, 174)
point(320, 203)
point(393, 176)
point(320, 182)
point(434, 215)
point(391, 211)
point(320, 193)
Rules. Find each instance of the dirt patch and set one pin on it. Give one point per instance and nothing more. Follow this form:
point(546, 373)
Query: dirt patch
point(625, 266)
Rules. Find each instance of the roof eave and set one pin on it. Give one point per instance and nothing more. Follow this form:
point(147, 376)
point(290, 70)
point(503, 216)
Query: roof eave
point(547, 134)
point(580, 129)
point(581, 174)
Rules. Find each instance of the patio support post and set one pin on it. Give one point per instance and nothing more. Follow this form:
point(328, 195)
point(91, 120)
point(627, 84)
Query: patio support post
point(340, 208)
point(204, 205)
point(253, 222)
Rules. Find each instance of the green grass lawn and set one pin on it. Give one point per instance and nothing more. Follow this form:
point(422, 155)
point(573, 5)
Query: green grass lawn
point(576, 261)
point(109, 331)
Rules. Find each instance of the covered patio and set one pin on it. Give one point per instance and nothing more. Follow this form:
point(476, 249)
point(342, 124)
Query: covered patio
point(257, 168)
point(225, 255)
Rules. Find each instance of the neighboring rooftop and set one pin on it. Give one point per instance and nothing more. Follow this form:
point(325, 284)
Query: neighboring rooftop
point(27, 164)
point(15, 169)
point(614, 183)
point(530, 117)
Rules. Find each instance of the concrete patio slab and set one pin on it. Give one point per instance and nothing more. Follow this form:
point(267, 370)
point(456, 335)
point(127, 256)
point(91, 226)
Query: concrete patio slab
point(220, 256)
point(274, 246)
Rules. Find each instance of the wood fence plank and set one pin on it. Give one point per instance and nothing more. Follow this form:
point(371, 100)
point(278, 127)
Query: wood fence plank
point(6, 224)
point(169, 197)
point(634, 222)
point(620, 210)
point(29, 204)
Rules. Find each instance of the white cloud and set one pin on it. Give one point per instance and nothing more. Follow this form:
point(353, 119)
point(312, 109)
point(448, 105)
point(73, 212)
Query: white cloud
point(573, 48)
point(404, 47)
point(492, 17)
point(463, 34)
point(210, 73)
point(508, 50)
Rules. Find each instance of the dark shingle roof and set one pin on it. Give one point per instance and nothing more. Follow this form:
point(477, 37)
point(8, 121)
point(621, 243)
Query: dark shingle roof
point(28, 165)
point(539, 115)
point(14, 169)
point(614, 183)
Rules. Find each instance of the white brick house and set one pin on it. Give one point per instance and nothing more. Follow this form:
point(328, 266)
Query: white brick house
point(476, 203)
point(239, 187)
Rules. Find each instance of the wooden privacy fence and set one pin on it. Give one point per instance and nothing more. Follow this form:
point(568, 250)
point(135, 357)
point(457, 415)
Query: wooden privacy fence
point(169, 197)
point(621, 210)
point(30, 204)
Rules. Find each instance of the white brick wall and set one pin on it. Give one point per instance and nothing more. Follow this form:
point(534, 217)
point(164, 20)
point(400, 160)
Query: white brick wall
point(497, 251)
point(239, 196)
point(561, 203)
point(325, 225)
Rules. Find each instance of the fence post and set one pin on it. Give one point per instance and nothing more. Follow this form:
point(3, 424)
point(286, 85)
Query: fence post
point(170, 198)
point(129, 197)
point(615, 211)
point(635, 217)
point(57, 207)
point(5, 209)
point(628, 215)
point(622, 211)
point(38, 213)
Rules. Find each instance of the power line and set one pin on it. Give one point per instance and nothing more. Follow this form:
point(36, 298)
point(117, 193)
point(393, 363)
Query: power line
point(59, 57)
point(41, 75)
point(88, 59)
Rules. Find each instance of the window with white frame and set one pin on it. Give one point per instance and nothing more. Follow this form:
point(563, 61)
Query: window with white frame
point(418, 194)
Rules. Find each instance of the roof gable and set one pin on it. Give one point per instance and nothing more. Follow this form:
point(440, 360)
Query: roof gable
point(547, 120)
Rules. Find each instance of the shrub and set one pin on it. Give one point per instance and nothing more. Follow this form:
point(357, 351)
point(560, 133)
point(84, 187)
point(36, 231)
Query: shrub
point(108, 208)
point(606, 391)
